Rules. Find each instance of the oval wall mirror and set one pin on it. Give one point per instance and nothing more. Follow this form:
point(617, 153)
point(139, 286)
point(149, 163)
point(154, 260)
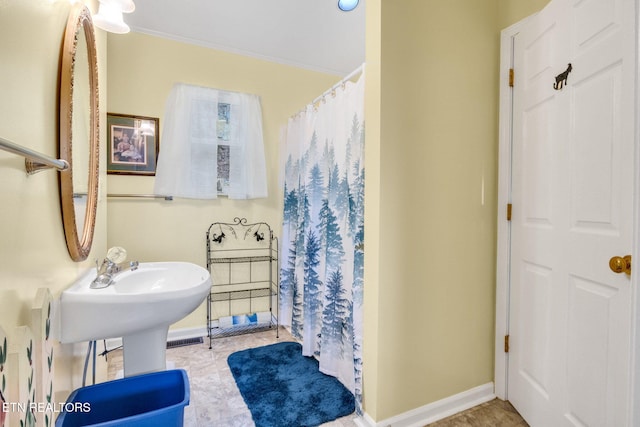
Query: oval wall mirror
point(79, 132)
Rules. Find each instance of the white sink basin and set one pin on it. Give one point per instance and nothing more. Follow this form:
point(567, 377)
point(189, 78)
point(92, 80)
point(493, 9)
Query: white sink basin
point(139, 307)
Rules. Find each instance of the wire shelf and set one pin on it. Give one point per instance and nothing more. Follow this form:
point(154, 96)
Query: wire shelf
point(245, 286)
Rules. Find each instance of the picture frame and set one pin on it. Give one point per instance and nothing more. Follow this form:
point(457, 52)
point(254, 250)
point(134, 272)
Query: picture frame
point(132, 144)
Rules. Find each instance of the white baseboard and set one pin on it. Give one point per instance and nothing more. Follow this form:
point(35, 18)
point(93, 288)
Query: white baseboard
point(435, 411)
point(186, 333)
point(177, 334)
point(174, 334)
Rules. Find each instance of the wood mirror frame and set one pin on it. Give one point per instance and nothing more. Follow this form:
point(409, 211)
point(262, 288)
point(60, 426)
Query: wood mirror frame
point(79, 232)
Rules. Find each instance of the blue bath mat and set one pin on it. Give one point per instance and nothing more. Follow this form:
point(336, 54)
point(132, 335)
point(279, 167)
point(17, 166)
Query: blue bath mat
point(283, 388)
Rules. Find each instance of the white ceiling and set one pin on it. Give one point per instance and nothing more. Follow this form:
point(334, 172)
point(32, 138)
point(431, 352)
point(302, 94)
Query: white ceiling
point(312, 34)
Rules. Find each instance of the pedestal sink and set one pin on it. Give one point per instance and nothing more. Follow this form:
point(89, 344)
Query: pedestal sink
point(139, 306)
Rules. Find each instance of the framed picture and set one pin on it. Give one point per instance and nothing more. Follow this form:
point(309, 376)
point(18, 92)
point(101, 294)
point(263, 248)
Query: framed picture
point(132, 144)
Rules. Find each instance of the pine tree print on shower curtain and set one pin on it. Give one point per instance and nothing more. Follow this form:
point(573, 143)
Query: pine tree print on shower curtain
point(321, 276)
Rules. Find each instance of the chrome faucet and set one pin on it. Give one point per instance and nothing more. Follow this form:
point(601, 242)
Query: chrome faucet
point(105, 274)
point(109, 268)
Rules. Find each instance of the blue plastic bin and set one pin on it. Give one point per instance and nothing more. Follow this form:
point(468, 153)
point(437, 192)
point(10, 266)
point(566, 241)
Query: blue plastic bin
point(154, 399)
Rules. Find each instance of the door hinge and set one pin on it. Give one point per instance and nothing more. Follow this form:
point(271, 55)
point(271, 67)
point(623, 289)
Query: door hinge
point(511, 77)
point(506, 343)
point(509, 206)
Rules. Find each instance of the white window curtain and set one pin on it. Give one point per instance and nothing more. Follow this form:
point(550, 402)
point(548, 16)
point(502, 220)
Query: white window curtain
point(205, 129)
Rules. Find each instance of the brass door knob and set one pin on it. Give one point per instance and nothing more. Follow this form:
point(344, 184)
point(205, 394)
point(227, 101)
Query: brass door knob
point(620, 264)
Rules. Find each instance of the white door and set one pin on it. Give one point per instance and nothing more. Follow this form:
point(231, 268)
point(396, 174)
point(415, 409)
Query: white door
point(572, 187)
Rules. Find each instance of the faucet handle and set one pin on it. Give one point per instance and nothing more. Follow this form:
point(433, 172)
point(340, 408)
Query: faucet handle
point(133, 265)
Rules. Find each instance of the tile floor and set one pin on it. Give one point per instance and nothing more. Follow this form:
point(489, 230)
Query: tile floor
point(216, 401)
point(496, 413)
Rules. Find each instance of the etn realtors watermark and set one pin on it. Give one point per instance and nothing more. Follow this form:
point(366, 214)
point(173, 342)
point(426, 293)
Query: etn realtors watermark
point(46, 407)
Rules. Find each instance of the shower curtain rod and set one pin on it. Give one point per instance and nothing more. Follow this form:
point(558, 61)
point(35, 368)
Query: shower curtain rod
point(349, 76)
point(341, 82)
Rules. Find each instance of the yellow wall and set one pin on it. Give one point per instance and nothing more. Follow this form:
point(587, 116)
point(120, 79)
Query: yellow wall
point(33, 253)
point(512, 11)
point(372, 362)
point(142, 70)
point(438, 179)
point(431, 152)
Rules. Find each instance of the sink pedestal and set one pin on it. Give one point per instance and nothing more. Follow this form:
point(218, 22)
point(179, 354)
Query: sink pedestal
point(145, 351)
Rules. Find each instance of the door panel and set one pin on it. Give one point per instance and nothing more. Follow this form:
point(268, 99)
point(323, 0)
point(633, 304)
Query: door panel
point(537, 149)
point(535, 299)
point(588, 351)
point(593, 196)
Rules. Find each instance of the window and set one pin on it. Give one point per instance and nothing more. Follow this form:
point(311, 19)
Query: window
point(212, 145)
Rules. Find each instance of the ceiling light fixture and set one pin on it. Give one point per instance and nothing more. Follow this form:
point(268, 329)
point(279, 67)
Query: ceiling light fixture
point(347, 5)
point(109, 16)
point(126, 6)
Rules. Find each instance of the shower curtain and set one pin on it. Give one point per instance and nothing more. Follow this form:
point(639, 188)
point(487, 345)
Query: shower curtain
point(322, 255)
